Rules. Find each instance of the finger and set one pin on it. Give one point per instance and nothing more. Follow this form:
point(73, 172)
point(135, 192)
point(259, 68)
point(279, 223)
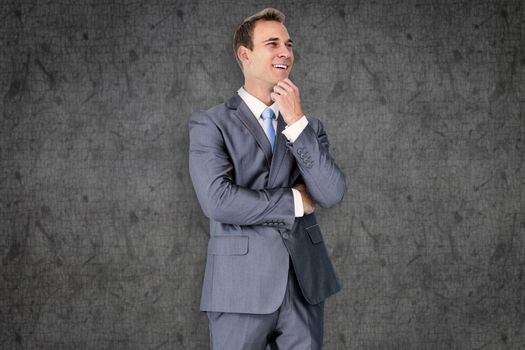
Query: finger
point(275, 97)
point(280, 90)
point(289, 82)
point(292, 89)
point(299, 186)
point(283, 84)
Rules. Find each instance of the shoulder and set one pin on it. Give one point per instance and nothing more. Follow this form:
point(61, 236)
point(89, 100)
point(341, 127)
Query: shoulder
point(216, 113)
point(213, 112)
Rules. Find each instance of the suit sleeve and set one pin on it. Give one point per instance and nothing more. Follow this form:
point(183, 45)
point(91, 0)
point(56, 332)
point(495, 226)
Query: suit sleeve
point(211, 172)
point(324, 180)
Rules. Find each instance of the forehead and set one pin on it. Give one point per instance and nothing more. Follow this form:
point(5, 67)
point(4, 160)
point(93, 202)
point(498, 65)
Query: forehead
point(269, 29)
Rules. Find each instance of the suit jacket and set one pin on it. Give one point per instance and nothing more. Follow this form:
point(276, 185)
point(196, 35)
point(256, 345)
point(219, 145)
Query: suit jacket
point(245, 191)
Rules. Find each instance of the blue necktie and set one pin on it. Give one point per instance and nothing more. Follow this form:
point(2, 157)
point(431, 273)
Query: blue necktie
point(267, 116)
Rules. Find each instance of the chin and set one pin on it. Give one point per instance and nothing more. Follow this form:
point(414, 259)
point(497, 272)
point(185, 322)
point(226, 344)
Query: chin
point(280, 77)
point(273, 80)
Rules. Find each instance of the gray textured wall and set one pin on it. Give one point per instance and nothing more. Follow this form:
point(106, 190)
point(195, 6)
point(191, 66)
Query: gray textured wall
point(102, 242)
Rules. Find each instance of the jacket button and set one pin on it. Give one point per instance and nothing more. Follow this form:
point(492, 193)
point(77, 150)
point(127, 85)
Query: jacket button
point(285, 235)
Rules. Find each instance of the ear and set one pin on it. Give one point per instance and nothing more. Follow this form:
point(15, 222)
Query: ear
point(244, 54)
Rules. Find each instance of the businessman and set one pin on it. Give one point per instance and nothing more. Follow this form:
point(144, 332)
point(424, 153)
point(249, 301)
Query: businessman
point(259, 167)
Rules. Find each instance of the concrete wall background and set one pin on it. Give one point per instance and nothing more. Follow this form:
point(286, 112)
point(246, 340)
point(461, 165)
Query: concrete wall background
point(102, 242)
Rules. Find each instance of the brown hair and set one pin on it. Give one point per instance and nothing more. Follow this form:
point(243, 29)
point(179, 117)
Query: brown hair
point(243, 34)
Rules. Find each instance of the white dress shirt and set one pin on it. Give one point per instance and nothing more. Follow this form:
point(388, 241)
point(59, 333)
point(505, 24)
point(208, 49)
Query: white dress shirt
point(291, 132)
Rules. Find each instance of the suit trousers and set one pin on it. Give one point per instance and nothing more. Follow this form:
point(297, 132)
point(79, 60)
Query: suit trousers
point(295, 325)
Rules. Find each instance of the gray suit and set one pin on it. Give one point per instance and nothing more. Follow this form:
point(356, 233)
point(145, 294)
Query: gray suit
point(245, 192)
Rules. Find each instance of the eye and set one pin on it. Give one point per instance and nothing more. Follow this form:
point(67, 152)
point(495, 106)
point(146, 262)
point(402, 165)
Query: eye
point(289, 45)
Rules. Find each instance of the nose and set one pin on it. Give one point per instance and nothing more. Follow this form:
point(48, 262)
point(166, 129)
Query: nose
point(285, 52)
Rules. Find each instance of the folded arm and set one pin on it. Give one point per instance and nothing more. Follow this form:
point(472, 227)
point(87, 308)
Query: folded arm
point(211, 172)
point(324, 180)
point(309, 144)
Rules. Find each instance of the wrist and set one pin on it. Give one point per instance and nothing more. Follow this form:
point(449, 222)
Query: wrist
point(298, 203)
point(294, 119)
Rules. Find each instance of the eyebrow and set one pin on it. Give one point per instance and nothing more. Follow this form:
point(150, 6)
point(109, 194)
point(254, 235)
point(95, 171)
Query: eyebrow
point(276, 39)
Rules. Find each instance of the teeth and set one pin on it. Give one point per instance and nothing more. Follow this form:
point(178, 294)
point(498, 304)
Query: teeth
point(282, 66)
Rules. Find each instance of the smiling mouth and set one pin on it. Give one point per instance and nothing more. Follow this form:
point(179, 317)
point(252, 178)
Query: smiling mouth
point(280, 66)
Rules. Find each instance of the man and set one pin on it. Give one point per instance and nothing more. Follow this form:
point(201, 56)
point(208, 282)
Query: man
point(259, 166)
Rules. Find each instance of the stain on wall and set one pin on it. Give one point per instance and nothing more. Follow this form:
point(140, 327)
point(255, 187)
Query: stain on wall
point(102, 241)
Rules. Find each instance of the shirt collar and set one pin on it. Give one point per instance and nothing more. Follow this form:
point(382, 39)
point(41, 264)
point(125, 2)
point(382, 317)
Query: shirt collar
point(255, 105)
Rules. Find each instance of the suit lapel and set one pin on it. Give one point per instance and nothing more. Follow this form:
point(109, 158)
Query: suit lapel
point(247, 118)
point(275, 160)
point(280, 151)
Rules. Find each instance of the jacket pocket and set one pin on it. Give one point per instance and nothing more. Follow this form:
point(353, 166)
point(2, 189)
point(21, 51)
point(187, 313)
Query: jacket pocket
point(228, 245)
point(315, 234)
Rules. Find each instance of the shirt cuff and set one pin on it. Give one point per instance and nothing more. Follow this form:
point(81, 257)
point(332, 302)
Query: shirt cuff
point(293, 131)
point(298, 203)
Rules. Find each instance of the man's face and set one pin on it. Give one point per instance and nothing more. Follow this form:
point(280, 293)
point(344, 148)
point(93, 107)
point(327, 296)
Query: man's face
point(272, 57)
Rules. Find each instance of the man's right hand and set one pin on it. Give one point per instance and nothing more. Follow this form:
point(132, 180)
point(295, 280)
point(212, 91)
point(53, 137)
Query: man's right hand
point(308, 202)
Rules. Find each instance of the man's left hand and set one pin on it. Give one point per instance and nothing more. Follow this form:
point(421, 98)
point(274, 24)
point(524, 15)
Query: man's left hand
point(308, 202)
point(286, 94)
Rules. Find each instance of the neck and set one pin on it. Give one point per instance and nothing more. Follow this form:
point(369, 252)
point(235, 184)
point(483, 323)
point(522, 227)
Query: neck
point(260, 92)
